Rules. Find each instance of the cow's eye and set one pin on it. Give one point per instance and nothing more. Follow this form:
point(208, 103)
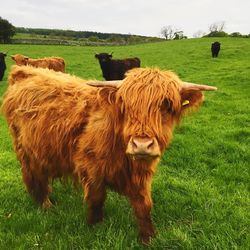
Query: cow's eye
point(165, 107)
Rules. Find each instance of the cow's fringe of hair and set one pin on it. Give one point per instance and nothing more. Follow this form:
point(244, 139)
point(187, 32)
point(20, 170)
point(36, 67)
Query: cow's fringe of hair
point(156, 87)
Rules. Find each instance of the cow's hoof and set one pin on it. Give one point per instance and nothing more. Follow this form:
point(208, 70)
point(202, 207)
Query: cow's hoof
point(47, 204)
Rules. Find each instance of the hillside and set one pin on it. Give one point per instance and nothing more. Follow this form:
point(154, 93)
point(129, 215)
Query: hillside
point(71, 37)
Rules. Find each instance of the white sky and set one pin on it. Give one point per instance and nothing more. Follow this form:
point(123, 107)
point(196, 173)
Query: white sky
point(140, 17)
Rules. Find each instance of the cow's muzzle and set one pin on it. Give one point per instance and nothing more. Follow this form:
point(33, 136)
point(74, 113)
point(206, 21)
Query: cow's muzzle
point(143, 148)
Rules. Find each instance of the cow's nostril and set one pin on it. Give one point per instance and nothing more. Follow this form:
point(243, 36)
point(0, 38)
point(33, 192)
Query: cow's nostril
point(134, 143)
point(150, 144)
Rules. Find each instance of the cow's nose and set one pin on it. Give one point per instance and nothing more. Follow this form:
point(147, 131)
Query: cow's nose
point(142, 145)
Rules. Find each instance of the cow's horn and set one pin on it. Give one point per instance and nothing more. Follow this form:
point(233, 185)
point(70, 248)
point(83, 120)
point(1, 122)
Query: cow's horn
point(116, 84)
point(198, 86)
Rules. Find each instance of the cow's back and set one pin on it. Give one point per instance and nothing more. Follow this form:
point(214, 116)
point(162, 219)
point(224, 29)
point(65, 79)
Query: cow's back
point(55, 63)
point(125, 65)
point(46, 112)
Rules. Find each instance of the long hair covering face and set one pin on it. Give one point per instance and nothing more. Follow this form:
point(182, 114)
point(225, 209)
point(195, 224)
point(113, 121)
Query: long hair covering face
point(142, 95)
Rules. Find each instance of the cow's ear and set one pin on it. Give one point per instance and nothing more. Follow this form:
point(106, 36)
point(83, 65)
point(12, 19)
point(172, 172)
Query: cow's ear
point(107, 95)
point(12, 57)
point(191, 98)
point(26, 59)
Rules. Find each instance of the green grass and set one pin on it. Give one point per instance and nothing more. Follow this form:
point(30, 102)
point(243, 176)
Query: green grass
point(201, 189)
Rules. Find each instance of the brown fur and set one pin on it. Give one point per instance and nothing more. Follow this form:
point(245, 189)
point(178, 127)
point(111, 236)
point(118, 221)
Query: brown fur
point(55, 63)
point(61, 126)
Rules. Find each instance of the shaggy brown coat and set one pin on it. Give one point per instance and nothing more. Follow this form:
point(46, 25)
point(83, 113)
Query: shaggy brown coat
point(55, 63)
point(62, 126)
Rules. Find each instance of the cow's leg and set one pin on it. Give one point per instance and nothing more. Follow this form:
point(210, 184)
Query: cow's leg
point(36, 181)
point(95, 196)
point(37, 185)
point(142, 204)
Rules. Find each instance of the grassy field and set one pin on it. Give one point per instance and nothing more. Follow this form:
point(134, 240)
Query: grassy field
point(201, 189)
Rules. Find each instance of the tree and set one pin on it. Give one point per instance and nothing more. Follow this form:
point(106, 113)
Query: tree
point(178, 35)
point(7, 30)
point(217, 34)
point(168, 32)
point(116, 39)
point(133, 39)
point(217, 26)
point(93, 39)
point(216, 30)
point(235, 34)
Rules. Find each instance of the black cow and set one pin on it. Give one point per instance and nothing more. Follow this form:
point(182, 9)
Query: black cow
point(2, 65)
point(215, 48)
point(116, 69)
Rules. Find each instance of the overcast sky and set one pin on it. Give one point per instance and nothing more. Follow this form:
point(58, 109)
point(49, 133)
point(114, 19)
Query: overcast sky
point(140, 17)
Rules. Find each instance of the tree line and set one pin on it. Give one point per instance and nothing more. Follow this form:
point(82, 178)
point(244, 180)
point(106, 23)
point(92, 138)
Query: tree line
point(72, 33)
point(216, 29)
point(67, 37)
point(86, 37)
point(71, 37)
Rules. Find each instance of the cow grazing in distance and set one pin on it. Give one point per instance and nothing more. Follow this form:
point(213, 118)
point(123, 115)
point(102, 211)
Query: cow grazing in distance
point(215, 49)
point(55, 63)
point(115, 69)
point(109, 137)
point(2, 65)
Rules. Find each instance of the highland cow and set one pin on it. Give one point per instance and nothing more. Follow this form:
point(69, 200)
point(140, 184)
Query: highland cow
point(115, 69)
point(107, 136)
point(55, 63)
